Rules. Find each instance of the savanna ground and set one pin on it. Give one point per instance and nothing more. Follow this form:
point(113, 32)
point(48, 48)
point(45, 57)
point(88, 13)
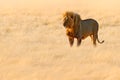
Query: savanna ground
point(33, 44)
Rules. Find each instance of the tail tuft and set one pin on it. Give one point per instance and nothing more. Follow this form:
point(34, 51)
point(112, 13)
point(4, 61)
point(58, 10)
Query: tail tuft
point(100, 41)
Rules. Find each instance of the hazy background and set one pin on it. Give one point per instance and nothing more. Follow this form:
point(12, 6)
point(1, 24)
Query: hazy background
point(102, 4)
point(34, 45)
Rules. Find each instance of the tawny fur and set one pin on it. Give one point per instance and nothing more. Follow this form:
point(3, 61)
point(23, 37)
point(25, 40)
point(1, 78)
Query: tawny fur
point(80, 29)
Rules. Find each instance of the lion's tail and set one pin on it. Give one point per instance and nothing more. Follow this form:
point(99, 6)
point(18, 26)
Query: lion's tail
point(100, 41)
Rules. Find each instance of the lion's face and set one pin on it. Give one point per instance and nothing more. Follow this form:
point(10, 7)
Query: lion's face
point(68, 20)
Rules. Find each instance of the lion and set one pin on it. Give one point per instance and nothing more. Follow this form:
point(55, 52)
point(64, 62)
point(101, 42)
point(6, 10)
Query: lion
point(80, 29)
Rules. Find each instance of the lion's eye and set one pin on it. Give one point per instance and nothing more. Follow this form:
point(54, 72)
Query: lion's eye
point(72, 17)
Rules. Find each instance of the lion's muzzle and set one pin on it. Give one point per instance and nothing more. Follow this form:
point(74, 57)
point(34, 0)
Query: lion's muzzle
point(64, 24)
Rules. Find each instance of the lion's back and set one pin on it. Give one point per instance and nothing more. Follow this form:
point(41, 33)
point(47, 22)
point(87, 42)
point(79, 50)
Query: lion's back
point(88, 26)
point(89, 22)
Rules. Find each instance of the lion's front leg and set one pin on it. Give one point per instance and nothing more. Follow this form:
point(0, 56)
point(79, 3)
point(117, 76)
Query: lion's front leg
point(78, 41)
point(71, 40)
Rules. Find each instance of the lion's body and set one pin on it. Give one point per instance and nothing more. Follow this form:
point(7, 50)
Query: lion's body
point(80, 29)
point(88, 27)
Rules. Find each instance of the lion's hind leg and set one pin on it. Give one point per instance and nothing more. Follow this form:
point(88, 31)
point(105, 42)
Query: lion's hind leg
point(94, 39)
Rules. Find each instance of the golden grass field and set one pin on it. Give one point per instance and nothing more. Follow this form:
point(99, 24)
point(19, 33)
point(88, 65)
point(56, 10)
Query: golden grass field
point(34, 45)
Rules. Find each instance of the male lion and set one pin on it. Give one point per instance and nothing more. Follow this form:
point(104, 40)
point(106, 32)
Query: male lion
point(80, 29)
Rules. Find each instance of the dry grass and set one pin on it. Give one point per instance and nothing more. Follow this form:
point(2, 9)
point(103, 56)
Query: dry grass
point(33, 44)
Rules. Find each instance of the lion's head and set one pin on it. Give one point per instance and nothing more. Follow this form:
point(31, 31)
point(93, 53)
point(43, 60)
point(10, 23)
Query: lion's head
point(70, 19)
